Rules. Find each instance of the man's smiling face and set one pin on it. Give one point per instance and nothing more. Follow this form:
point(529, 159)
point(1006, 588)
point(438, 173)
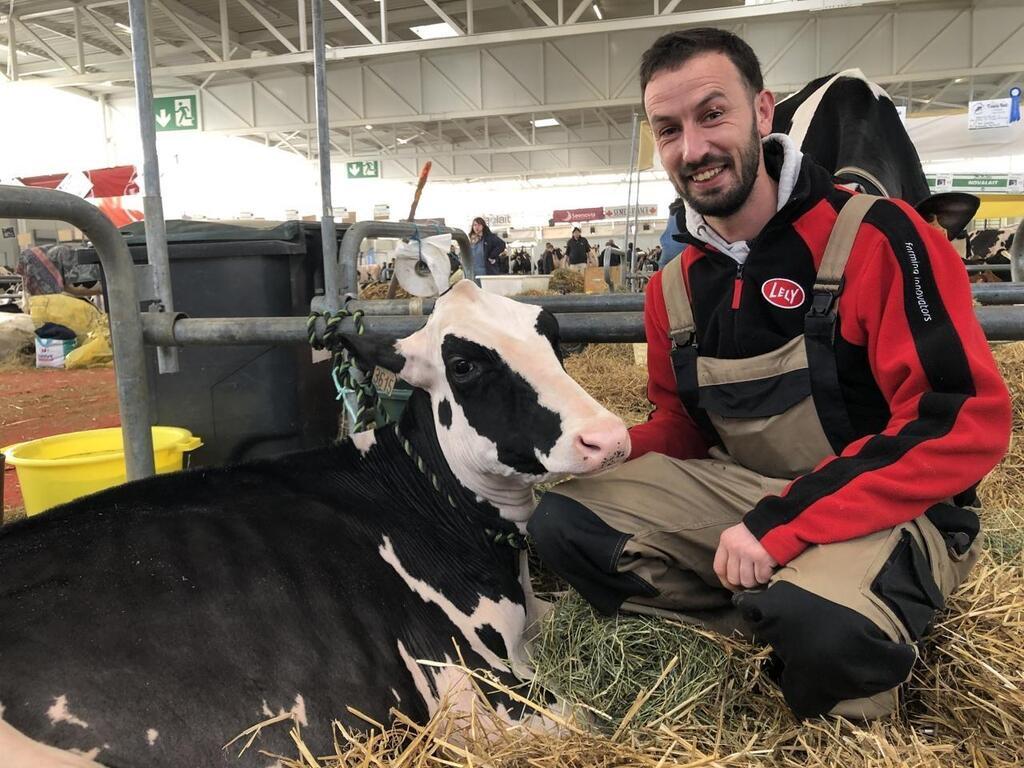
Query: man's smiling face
point(708, 128)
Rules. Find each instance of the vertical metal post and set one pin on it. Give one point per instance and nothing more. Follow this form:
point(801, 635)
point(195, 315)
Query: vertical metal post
point(629, 186)
point(79, 46)
point(332, 273)
point(383, 21)
point(225, 36)
point(152, 205)
point(12, 48)
point(303, 39)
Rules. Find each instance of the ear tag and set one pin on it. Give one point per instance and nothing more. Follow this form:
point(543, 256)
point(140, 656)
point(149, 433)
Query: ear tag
point(384, 380)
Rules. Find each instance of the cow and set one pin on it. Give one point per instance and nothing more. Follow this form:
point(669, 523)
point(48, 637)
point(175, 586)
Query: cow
point(991, 246)
point(146, 625)
point(850, 125)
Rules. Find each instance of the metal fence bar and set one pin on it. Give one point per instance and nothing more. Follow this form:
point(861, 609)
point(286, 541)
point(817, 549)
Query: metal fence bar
point(125, 331)
point(985, 293)
point(999, 324)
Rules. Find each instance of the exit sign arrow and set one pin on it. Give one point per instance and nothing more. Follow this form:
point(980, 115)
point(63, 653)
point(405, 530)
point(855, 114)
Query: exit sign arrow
point(163, 118)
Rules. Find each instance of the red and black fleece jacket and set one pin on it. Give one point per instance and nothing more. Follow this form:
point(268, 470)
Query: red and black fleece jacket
point(916, 374)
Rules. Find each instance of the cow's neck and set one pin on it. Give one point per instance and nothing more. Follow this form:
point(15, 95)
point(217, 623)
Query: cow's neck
point(510, 496)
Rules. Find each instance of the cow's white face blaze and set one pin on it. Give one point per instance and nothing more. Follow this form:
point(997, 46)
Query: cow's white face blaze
point(506, 412)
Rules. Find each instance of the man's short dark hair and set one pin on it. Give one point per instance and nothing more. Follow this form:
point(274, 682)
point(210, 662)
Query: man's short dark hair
point(577, 229)
point(672, 50)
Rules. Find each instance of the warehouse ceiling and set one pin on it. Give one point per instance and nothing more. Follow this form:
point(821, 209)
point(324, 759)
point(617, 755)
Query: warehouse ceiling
point(469, 102)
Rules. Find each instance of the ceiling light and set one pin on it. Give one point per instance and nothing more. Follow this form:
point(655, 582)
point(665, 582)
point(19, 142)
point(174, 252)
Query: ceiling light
point(545, 122)
point(597, 11)
point(434, 31)
point(125, 27)
point(368, 127)
point(959, 80)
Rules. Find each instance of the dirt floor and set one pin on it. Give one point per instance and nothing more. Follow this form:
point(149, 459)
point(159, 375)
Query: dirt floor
point(38, 402)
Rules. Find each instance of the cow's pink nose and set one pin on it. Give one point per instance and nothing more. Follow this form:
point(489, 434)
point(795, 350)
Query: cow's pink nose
point(603, 445)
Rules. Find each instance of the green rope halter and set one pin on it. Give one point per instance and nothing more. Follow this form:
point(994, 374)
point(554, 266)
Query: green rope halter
point(366, 412)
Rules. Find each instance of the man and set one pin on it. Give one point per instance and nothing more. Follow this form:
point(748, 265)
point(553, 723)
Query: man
point(577, 250)
point(823, 410)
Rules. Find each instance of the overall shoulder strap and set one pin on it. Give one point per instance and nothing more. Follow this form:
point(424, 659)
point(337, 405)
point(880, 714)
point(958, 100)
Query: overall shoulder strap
point(820, 324)
point(677, 303)
point(840, 242)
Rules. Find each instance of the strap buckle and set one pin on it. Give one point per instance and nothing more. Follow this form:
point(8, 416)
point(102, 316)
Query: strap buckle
point(690, 341)
point(823, 300)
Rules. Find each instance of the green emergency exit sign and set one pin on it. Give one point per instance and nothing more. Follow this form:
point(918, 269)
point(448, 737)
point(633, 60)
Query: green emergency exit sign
point(176, 113)
point(363, 169)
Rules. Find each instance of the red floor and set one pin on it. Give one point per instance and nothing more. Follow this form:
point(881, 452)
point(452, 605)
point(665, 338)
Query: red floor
point(38, 402)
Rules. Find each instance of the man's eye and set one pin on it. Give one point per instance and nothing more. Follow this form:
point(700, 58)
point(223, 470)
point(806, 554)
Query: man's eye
point(713, 115)
point(666, 131)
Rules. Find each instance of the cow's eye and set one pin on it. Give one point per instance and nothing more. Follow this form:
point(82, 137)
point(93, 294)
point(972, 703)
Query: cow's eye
point(463, 369)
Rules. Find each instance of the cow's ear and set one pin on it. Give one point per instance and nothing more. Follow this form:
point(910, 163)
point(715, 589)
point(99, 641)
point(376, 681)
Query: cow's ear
point(371, 351)
point(950, 210)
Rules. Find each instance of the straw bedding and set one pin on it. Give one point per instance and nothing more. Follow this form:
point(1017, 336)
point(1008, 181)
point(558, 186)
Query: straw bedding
point(652, 692)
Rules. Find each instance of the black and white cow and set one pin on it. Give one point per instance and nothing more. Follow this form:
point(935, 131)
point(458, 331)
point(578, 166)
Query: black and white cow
point(149, 624)
point(850, 125)
point(993, 247)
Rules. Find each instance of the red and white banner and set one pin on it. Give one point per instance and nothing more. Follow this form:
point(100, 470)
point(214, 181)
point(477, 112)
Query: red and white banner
point(578, 214)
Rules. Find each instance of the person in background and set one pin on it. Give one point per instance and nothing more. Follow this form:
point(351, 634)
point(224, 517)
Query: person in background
point(546, 262)
point(610, 255)
point(486, 248)
point(577, 250)
point(454, 262)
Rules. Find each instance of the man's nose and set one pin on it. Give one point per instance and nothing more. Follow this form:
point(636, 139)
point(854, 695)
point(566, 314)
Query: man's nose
point(695, 146)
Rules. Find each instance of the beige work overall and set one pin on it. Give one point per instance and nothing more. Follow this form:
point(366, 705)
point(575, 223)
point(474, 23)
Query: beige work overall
point(671, 513)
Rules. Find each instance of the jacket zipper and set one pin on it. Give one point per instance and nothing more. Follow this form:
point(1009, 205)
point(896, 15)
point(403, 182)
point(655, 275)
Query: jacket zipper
point(737, 287)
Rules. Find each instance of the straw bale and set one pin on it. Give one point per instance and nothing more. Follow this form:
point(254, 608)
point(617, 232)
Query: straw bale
point(608, 372)
point(566, 281)
point(380, 291)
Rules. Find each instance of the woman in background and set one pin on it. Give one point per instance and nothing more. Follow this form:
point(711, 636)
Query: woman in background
point(486, 247)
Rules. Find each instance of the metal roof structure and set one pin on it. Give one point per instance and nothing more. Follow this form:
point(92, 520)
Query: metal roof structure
point(469, 101)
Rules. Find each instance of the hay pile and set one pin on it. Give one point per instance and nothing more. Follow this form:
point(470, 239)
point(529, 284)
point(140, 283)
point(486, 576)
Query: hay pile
point(608, 372)
point(380, 291)
point(655, 693)
point(566, 281)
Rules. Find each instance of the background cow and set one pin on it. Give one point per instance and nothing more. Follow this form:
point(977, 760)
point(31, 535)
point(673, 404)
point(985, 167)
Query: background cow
point(850, 125)
point(148, 624)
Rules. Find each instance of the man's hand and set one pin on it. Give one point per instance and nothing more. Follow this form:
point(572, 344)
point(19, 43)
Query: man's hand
point(741, 562)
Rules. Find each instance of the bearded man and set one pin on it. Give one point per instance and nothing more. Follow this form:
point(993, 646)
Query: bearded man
point(825, 403)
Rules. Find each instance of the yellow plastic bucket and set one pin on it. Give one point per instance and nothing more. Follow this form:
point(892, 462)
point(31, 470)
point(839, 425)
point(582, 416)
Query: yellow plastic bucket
point(53, 470)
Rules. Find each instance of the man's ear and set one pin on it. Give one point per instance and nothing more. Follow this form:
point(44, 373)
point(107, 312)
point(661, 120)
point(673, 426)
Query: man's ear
point(764, 112)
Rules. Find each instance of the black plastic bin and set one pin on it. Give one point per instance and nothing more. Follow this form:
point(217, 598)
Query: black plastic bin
point(244, 401)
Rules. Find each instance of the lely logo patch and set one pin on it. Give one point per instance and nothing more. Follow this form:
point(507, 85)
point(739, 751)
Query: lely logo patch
point(783, 293)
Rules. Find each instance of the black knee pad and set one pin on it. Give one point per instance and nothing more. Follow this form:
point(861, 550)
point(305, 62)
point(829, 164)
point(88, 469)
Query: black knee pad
point(827, 652)
point(584, 550)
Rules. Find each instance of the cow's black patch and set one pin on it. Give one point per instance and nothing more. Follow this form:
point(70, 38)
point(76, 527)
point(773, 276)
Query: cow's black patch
point(493, 640)
point(547, 326)
point(500, 404)
point(444, 413)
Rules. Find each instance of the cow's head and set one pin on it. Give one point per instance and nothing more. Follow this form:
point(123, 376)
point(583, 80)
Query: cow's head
point(507, 415)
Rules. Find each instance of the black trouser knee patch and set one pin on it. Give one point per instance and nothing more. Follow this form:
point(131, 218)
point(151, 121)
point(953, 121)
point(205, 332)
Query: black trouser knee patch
point(584, 550)
point(906, 585)
point(828, 653)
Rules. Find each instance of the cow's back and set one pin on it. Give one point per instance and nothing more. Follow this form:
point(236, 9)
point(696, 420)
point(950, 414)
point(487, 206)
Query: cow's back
point(180, 609)
point(843, 121)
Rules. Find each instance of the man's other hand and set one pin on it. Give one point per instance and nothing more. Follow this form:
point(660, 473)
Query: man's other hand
point(741, 562)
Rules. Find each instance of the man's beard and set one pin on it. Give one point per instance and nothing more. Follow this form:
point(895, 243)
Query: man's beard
point(721, 204)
